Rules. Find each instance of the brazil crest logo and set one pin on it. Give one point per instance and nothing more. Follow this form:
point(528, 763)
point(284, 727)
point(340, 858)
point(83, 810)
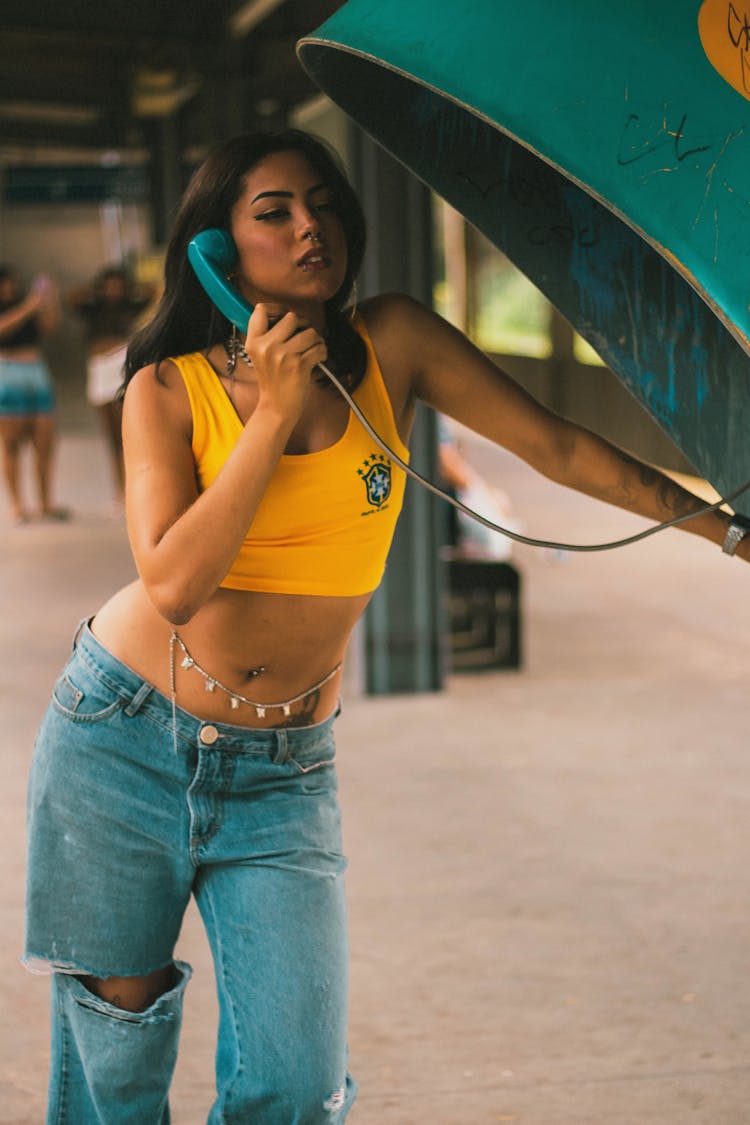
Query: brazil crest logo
point(376, 476)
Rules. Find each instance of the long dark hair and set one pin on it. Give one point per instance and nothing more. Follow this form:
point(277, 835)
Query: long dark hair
point(186, 320)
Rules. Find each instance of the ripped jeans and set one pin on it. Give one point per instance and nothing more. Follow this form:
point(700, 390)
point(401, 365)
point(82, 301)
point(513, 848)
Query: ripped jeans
point(121, 832)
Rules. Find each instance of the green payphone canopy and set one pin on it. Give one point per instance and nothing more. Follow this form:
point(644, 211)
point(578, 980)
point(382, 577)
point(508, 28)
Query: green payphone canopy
point(606, 151)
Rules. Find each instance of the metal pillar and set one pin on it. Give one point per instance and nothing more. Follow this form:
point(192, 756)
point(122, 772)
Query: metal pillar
point(403, 648)
point(166, 174)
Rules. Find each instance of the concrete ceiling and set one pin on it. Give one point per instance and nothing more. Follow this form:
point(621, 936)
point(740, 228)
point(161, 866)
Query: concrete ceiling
point(94, 75)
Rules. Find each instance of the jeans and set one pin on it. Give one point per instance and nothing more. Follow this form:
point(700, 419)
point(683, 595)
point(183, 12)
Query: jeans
point(121, 831)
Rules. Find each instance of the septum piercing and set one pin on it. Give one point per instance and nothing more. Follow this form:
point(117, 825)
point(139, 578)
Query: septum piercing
point(314, 237)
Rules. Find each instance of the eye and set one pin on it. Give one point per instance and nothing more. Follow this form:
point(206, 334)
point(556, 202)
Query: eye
point(271, 216)
point(329, 205)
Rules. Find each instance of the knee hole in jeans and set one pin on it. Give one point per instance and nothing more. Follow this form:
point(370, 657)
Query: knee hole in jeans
point(132, 994)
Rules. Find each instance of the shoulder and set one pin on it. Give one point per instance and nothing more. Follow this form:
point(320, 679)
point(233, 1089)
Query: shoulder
point(395, 318)
point(391, 313)
point(158, 390)
point(404, 333)
point(165, 375)
point(397, 325)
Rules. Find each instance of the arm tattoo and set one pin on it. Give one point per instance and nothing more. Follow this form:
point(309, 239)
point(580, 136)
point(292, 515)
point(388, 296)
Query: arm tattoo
point(671, 498)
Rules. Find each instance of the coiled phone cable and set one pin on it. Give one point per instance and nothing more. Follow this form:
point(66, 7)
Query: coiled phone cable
point(516, 535)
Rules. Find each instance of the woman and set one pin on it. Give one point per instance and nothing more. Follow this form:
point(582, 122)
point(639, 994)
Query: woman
point(27, 398)
point(188, 746)
point(110, 307)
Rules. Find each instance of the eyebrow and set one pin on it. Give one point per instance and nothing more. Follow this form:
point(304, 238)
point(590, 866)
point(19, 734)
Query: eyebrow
point(287, 194)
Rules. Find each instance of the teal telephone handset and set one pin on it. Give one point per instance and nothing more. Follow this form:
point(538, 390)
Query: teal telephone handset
point(212, 254)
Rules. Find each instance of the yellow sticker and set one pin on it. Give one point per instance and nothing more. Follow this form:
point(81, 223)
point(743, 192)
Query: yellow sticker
point(724, 28)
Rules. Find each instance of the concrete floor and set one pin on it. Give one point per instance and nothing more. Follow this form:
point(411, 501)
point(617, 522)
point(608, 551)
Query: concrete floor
point(548, 880)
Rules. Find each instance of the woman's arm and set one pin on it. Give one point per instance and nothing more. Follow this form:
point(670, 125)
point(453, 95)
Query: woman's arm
point(184, 542)
point(15, 317)
point(42, 303)
point(454, 377)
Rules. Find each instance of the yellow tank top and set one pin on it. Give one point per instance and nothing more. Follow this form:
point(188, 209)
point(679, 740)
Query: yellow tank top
point(326, 520)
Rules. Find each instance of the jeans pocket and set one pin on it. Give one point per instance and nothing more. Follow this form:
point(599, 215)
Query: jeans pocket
point(321, 758)
point(300, 768)
point(84, 699)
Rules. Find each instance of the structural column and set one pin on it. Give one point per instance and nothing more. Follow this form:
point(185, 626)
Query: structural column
point(403, 633)
point(166, 174)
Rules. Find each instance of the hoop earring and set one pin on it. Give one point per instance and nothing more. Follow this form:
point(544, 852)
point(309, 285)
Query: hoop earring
point(353, 309)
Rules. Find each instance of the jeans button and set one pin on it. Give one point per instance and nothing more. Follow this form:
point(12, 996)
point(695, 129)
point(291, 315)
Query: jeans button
point(208, 735)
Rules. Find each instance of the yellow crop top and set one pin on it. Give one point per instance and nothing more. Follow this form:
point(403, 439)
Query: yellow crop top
point(326, 520)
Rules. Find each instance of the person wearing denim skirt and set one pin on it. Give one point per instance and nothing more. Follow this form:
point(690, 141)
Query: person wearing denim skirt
point(27, 396)
point(188, 745)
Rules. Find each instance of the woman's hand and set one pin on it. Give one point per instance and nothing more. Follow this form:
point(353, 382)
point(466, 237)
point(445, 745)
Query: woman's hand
point(46, 302)
point(43, 286)
point(285, 353)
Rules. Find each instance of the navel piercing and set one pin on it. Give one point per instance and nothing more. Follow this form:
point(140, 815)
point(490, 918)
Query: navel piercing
point(235, 697)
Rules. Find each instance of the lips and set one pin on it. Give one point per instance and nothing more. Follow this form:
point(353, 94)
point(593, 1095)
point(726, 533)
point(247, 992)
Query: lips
point(314, 259)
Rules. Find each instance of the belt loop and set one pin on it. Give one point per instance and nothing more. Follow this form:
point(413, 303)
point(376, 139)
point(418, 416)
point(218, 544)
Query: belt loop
point(135, 703)
point(79, 628)
point(281, 747)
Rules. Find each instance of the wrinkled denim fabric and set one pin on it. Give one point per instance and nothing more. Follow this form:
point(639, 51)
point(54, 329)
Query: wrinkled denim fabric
point(122, 830)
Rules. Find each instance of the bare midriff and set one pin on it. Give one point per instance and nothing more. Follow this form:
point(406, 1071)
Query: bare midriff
point(295, 639)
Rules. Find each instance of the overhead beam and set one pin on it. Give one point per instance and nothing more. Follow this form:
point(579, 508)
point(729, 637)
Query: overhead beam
point(48, 113)
point(249, 15)
point(103, 135)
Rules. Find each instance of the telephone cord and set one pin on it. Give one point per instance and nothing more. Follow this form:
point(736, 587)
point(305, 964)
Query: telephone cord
point(516, 535)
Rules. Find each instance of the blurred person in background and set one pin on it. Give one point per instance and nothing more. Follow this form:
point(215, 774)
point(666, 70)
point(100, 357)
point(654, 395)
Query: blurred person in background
point(110, 306)
point(27, 398)
point(466, 538)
